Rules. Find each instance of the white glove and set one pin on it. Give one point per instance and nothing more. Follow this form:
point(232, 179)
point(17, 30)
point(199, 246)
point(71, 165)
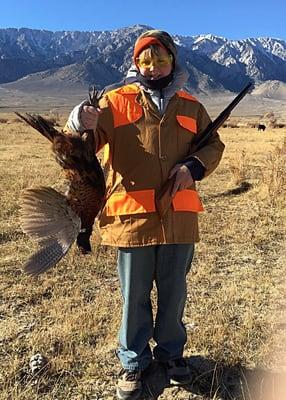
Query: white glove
point(74, 120)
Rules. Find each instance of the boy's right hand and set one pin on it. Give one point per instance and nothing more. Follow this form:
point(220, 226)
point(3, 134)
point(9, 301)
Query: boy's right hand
point(89, 117)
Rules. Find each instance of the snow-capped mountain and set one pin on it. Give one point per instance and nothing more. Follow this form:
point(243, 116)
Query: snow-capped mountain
point(39, 58)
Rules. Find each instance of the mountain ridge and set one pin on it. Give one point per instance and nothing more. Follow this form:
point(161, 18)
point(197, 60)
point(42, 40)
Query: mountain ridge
point(33, 58)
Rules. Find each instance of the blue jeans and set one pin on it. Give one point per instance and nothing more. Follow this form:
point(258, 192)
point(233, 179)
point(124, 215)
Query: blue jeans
point(138, 267)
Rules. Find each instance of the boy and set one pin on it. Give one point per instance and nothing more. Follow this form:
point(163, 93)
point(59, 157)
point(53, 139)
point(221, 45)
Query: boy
point(149, 128)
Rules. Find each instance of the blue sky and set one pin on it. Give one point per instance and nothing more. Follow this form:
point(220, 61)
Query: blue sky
point(232, 19)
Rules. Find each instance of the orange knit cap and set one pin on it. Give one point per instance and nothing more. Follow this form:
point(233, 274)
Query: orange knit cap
point(143, 43)
point(154, 36)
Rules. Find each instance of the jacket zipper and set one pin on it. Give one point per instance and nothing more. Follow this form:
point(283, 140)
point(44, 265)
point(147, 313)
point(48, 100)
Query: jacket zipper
point(161, 102)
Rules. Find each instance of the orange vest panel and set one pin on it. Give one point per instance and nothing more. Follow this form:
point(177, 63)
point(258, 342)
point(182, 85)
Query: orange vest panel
point(187, 200)
point(143, 201)
point(125, 203)
point(187, 123)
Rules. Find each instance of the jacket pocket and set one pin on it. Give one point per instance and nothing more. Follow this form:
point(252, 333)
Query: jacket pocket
point(127, 203)
point(187, 123)
point(187, 200)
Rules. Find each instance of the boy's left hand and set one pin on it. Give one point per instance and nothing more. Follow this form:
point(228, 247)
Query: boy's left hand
point(183, 178)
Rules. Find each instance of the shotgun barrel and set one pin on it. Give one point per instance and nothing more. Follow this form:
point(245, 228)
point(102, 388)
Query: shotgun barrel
point(223, 116)
point(163, 197)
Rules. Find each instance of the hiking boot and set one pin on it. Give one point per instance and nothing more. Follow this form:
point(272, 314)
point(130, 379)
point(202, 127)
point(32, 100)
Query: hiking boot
point(179, 372)
point(129, 385)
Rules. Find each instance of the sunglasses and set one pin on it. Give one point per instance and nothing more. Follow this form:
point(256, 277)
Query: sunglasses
point(159, 62)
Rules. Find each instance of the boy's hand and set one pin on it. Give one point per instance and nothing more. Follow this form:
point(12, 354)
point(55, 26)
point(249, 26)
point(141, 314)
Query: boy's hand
point(89, 116)
point(183, 178)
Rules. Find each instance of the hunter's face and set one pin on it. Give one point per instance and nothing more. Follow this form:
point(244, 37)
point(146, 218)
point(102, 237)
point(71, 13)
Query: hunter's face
point(155, 66)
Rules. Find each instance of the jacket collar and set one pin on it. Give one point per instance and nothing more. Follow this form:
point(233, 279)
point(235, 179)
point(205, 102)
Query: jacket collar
point(178, 82)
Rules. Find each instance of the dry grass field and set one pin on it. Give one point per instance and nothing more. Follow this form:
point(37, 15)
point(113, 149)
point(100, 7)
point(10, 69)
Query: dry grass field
point(235, 313)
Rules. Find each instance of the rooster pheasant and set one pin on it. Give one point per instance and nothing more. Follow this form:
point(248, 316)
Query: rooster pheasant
point(55, 220)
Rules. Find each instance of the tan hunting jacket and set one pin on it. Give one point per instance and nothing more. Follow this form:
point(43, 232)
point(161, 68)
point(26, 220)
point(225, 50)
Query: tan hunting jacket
point(142, 148)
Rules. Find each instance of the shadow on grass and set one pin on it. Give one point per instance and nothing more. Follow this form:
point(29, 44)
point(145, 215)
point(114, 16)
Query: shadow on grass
point(6, 237)
point(242, 188)
point(216, 381)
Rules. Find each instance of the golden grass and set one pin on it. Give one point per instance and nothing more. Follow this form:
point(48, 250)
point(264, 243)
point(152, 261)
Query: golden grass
point(236, 301)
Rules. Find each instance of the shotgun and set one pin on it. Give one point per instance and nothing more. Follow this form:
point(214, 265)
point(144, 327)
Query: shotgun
point(163, 197)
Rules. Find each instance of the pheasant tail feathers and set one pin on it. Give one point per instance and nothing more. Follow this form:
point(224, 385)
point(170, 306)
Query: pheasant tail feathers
point(47, 217)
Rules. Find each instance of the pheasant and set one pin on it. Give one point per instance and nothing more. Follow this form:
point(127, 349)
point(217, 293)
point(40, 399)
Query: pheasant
point(57, 220)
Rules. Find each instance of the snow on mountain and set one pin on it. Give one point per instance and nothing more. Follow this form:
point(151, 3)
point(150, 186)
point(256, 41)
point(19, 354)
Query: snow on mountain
point(213, 62)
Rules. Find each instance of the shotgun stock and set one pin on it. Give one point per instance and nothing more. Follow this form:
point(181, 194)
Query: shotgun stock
point(163, 197)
